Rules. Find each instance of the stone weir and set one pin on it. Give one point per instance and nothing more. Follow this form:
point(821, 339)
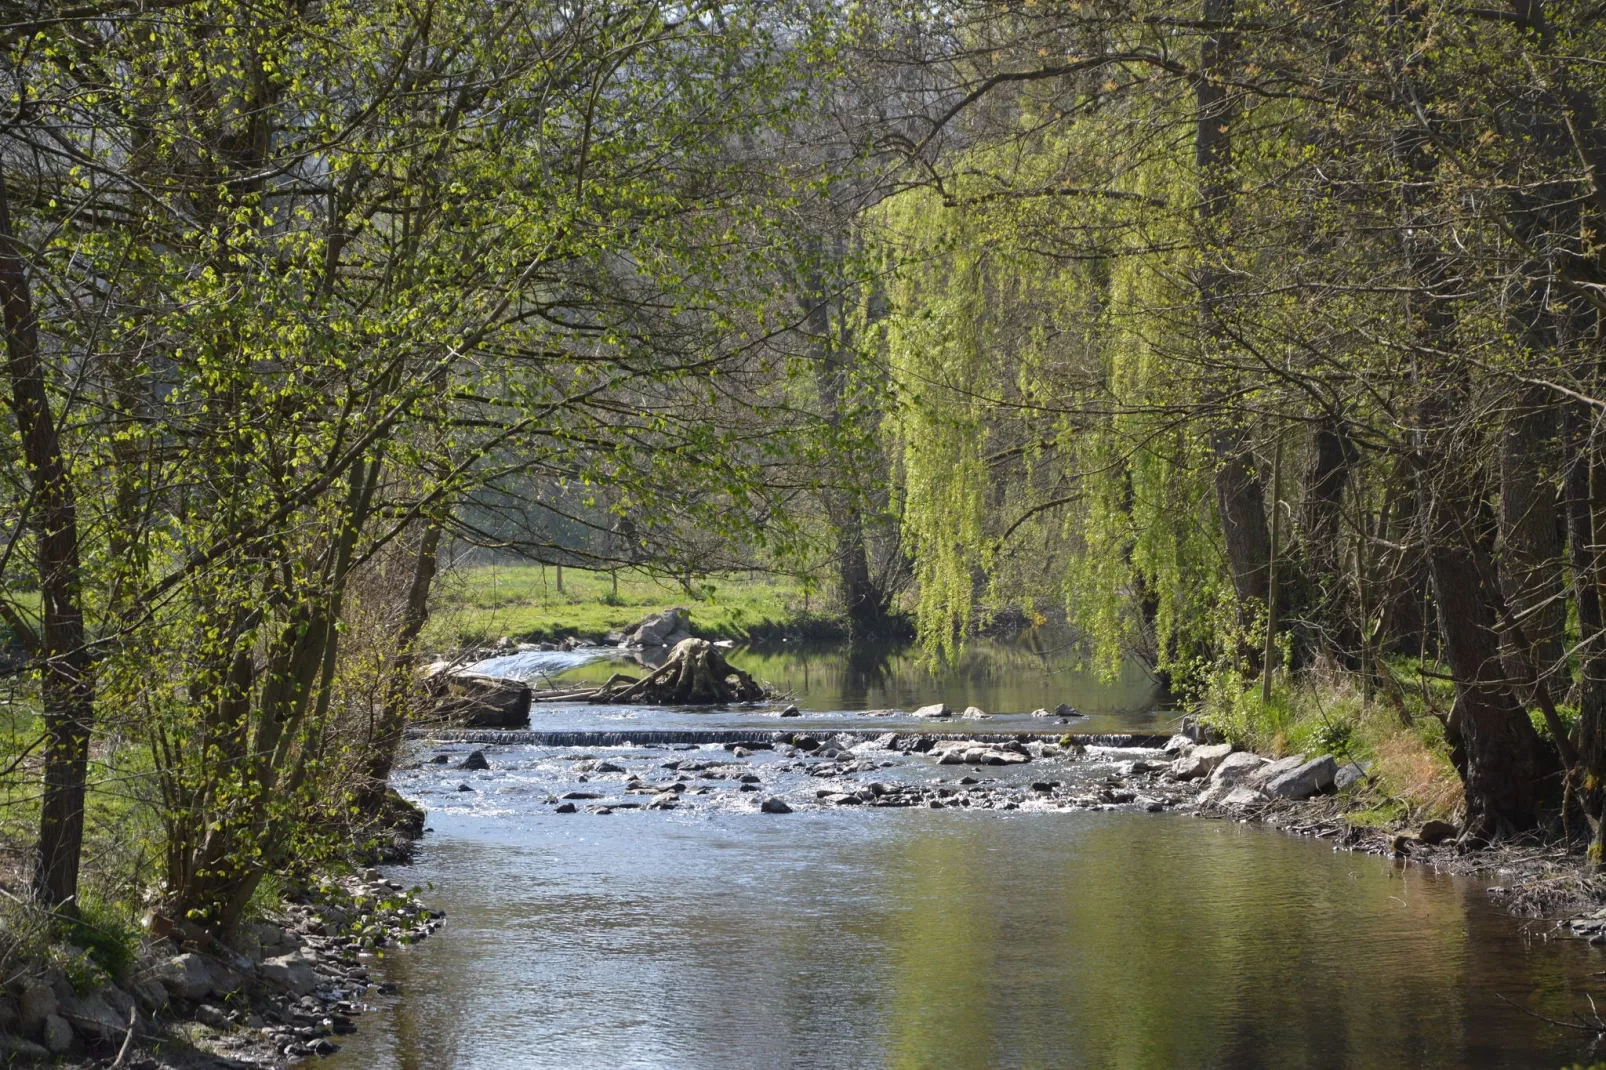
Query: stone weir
point(644, 737)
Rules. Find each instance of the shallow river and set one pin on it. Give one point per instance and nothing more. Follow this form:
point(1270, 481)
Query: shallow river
point(1063, 933)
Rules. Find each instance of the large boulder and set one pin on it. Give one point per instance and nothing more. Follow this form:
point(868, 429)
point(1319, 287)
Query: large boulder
point(194, 976)
point(291, 972)
point(1241, 796)
point(660, 629)
point(57, 1034)
point(17, 1050)
point(1311, 778)
point(151, 994)
point(1271, 770)
point(936, 709)
point(1234, 770)
point(94, 1017)
point(1200, 761)
point(975, 713)
point(1237, 767)
point(38, 1002)
point(1349, 774)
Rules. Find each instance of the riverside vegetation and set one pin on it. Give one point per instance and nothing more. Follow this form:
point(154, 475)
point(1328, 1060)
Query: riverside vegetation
point(1261, 343)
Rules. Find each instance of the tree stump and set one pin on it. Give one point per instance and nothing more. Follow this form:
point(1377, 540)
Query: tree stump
point(695, 674)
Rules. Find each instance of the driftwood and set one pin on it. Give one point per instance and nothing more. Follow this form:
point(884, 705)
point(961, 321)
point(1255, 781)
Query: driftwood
point(474, 701)
point(695, 673)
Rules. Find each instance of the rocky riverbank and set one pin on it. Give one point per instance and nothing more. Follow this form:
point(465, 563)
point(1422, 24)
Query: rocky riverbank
point(284, 989)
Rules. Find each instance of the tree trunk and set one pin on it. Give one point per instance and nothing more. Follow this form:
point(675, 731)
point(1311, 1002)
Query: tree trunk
point(1240, 498)
point(863, 601)
point(1584, 487)
point(1494, 745)
point(66, 685)
point(387, 736)
point(1530, 544)
point(1326, 598)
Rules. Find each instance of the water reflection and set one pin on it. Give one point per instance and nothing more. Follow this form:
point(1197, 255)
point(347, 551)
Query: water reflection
point(1004, 677)
point(945, 939)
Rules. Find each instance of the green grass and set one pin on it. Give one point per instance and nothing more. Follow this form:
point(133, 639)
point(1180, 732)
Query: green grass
point(522, 601)
point(1393, 731)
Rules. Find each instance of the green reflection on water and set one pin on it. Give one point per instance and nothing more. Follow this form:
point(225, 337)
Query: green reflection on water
point(940, 939)
point(1000, 677)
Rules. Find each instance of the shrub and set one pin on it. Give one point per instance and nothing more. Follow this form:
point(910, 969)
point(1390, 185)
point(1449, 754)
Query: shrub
point(110, 939)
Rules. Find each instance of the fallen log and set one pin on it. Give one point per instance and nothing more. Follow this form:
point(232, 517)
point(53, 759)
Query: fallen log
point(471, 700)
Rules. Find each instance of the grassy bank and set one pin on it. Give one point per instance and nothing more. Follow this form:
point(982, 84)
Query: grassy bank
point(473, 605)
point(1392, 727)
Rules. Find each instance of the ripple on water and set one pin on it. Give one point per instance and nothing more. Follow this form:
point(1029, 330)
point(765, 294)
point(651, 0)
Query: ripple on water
point(716, 936)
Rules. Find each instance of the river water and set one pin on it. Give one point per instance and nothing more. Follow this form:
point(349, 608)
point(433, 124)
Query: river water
point(1063, 932)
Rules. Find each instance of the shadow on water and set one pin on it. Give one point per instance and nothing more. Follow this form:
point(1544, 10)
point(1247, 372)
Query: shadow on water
point(939, 939)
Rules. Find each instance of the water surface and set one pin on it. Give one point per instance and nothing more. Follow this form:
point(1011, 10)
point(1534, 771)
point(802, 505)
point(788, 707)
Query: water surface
point(833, 682)
point(1059, 934)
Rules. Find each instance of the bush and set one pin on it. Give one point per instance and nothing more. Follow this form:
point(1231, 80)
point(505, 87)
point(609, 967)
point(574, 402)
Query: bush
point(110, 939)
point(1333, 736)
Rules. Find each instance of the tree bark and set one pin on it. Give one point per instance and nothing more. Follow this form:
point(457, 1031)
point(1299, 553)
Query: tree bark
point(1494, 745)
point(864, 602)
point(387, 735)
point(1327, 599)
point(66, 684)
point(1584, 489)
point(1530, 544)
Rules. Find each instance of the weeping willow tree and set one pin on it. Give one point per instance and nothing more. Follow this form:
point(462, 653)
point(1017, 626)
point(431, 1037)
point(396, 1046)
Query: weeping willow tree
point(1286, 318)
point(1044, 416)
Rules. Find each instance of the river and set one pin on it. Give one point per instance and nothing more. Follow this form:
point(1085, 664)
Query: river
point(1053, 934)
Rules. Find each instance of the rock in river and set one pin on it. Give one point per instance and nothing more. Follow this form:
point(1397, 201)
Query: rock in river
point(1272, 770)
point(939, 709)
point(474, 761)
point(1200, 761)
point(1312, 778)
point(775, 805)
point(1241, 796)
point(1235, 768)
point(975, 713)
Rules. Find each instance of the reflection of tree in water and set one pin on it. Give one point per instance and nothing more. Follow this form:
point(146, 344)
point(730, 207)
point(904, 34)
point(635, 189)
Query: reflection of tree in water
point(867, 664)
point(1010, 676)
